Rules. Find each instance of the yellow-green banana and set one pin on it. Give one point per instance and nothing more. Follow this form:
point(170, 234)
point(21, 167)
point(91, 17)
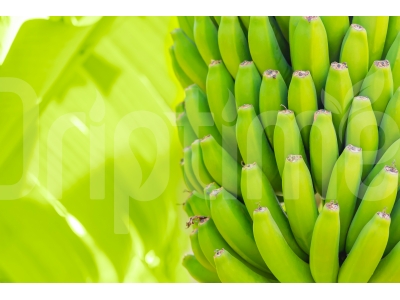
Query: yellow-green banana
point(393, 56)
point(394, 231)
point(198, 204)
point(282, 43)
point(392, 32)
point(336, 28)
point(186, 23)
point(199, 168)
point(207, 191)
point(186, 133)
point(283, 22)
point(185, 178)
point(187, 209)
point(388, 269)
point(247, 85)
point(187, 155)
point(245, 20)
point(206, 38)
point(183, 79)
point(197, 271)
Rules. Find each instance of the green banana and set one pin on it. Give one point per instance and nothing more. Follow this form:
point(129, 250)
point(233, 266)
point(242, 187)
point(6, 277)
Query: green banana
point(232, 270)
point(253, 145)
point(199, 115)
point(367, 251)
point(283, 22)
point(183, 79)
point(388, 269)
point(287, 139)
point(392, 32)
point(235, 225)
point(207, 191)
point(185, 178)
point(198, 204)
point(354, 53)
point(284, 264)
point(179, 108)
point(378, 87)
point(187, 209)
point(186, 23)
point(282, 42)
point(336, 28)
point(264, 48)
point(380, 194)
point(245, 20)
point(362, 131)
point(199, 168)
point(324, 252)
point(186, 133)
point(310, 51)
point(324, 150)
point(189, 58)
point(187, 156)
point(390, 124)
point(197, 271)
point(273, 95)
point(257, 191)
point(393, 56)
point(293, 22)
point(298, 194)
point(376, 28)
point(344, 185)
point(338, 98)
point(302, 100)
point(394, 231)
point(232, 43)
point(247, 85)
point(221, 166)
point(206, 39)
point(198, 253)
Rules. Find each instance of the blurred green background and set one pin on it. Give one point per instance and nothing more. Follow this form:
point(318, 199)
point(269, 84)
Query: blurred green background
point(81, 157)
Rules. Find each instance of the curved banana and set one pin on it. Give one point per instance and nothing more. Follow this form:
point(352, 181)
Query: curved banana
point(392, 32)
point(197, 271)
point(199, 168)
point(287, 139)
point(257, 191)
point(336, 28)
point(324, 252)
point(310, 51)
point(284, 264)
point(198, 253)
point(394, 231)
point(362, 131)
point(183, 79)
point(380, 195)
point(367, 251)
point(253, 145)
point(338, 98)
point(302, 100)
point(376, 28)
point(187, 156)
point(232, 43)
point(393, 56)
point(186, 24)
point(324, 150)
point(344, 185)
point(247, 85)
point(189, 58)
point(293, 22)
point(221, 166)
point(378, 87)
point(388, 269)
point(186, 133)
point(354, 53)
point(198, 204)
point(273, 95)
point(187, 209)
point(298, 194)
point(283, 23)
point(185, 178)
point(206, 38)
point(264, 48)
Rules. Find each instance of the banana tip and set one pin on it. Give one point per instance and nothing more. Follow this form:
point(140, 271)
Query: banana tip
point(294, 158)
point(219, 252)
point(339, 66)
point(382, 63)
point(357, 27)
point(301, 74)
point(271, 73)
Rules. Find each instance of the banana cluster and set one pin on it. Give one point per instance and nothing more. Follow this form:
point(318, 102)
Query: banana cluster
point(291, 132)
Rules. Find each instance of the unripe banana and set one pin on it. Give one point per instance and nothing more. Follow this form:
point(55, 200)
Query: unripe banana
point(388, 269)
point(380, 194)
point(199, 168)
point(232, 270)
point(283, 22)
point(185, 178)
point(187, 156)
point(221, 166)
point(232, 44)
point(376, 28)
point(179, 108)
point(355, 53)
point(187, 209)
point(247, 85)
point(257, 191)
point(367, 251)
point(336, 28)
point(198, 253)
point(287, 139)
point(343, 186)
point(198, 204)
point(394, 231)
point(264, 48)
point(362, 131)
point(302, 100)
point(273, 95)
point(254, 147)
point(338, 97)
point(293, 22)
point(245, 20)
point(283, 44)
point(235, 225)
point(197, 271)
point(217, 20)
point(189, 58)
point(378, 87)
point(324, 252)
point(207, 191)
point(393, 56)
point(392, 32)
point(310, 50)
point(324, 150)
point(186, 23)
point(183, 79)
point(284, 264)
point(186, 133)
point(221, 99)
point(206, 39)
point(300, 204)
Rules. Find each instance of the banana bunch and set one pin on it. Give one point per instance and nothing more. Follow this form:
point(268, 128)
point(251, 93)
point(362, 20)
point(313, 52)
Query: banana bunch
point(290, 129)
